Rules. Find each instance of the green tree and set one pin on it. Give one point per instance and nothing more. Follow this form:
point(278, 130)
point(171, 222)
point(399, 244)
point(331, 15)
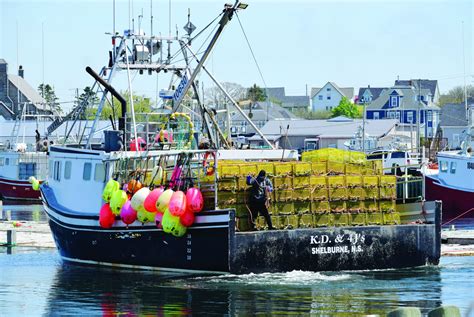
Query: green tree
point(256, 93)
point(141, 105)
point(347, 109)
point(456, 95)
point(48, 94)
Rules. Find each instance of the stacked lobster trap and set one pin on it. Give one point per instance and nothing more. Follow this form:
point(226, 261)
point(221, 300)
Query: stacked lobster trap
point(337, 189)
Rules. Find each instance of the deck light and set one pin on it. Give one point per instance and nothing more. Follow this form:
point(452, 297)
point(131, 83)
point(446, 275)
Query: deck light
point(242, 6)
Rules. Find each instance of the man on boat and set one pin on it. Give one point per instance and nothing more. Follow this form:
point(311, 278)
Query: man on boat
point(259, 197)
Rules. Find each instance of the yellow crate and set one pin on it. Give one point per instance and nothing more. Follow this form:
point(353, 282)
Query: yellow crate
point(388, 192)
point(338, 206)
point(320, 207)
point(276, 222)
point(392, 218)
point(375, 218)
point(301, 168)
point(339, 193)
point(320, 194)
point(387, 205)
point(356, 193)
point(359, 219)
point(260, 223)
point(283, 195)
point(370, 180)
point(282, 169)
point(342, 219)
point(302, 194)
point(248, 169)
point(353, 169)
point(306, 221)
point(371, 205)
point(302, 207)
point(336, 181)
point(377, 167)
point(209, 203)
point(282, 182)
point(228, 171)
point(355, 206)
point(242, 183)
point(318, 181)
point(243, 224)
point(290, 221)
point(266, 166)
point(282, 208)
point(335, 168)
point(353, 181)
point(318, 168)
point(225, 198)
point(371, 193)
point(388, 180)
point(323, 220)
point(301, 181)
point(227, 184)
point(357, 158)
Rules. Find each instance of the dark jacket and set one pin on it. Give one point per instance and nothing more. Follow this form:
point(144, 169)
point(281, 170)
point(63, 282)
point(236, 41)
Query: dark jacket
point(257, 192)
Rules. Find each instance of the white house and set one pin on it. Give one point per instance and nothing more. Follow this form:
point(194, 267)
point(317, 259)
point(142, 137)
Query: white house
point(329, 96)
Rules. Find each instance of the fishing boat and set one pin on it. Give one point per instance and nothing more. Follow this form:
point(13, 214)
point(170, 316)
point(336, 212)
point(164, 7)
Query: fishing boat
point(165, 198)
point(452, 181)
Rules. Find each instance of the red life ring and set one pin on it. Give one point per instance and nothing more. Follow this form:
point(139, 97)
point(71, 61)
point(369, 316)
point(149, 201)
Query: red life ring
point(206, 164)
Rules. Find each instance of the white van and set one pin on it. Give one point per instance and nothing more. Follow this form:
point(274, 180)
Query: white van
point(396, 161)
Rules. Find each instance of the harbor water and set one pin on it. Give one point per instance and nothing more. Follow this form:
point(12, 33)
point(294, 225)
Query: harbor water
point(35, 282)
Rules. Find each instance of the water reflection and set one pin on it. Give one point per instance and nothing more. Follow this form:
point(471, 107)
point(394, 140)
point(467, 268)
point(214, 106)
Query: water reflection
point(108, 292)
point(24, 211)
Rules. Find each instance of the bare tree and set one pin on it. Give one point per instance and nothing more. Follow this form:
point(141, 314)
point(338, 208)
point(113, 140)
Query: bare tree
point(214, 96)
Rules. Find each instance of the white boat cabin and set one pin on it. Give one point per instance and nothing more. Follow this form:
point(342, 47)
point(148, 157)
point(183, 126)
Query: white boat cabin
point(22, 165)
point(456, 170)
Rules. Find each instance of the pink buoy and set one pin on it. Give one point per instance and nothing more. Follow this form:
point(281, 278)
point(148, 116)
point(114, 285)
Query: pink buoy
point(128, 214)
point(177, 205)
point(141, 144)
point(152, 198)
point(187, 219)
point(163, 200)
point(106, 217)
point(194, 199)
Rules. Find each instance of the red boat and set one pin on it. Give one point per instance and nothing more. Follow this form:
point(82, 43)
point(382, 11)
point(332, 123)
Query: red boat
point(16, 168)
point(453, 183)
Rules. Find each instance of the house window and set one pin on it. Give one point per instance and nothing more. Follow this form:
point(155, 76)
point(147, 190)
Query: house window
point(327, 108)
point(397, 115)
point(328, 97)
point(444, 166)
point(410, 117)
point(99, 173)
point(453, 168)
point(430, 116)
point(328, 89)
point(320, 97)
point(86, 173)
point(394, 101)
point(391, 115)
point(67, 170)
point(376, 115)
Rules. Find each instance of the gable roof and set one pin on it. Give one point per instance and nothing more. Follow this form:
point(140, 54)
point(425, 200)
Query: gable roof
point(278, 94)
point(348, 92)
point(453, 115)
point(263, 111)
point(424, 84)
point(407, 102)
point(326, 128)
point(374, 91)
point(30, 93)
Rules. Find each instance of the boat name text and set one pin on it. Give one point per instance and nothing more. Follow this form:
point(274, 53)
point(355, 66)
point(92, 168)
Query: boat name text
point(355, 240)
point(179, 91)
point(470, 165)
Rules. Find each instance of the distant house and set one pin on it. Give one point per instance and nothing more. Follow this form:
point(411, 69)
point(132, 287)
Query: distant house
point(329, 96)
point(368, 94)
point(15, 92)
point(453, 122)
point(430, 87)
point(260, 113)
point(335, 132)
point(278, 95)
point(404, 103)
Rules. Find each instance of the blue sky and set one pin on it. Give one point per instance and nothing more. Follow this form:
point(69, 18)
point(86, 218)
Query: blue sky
point(296, 43)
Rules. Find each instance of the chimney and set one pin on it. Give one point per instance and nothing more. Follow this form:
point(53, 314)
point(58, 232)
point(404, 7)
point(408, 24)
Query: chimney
point(21, 72)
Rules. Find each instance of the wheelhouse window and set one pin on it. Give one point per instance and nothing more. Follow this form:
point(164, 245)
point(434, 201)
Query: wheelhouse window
point(453, 168)
point(2, 161)
point(444, 166)
point(67, 170)
point(57, 171)
point(7, 161)
point(99, 173)
point(86, 174)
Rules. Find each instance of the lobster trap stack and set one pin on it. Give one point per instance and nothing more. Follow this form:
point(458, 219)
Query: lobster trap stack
point(328, 188)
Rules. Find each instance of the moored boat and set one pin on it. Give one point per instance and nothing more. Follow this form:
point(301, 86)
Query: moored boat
point(330, 215)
